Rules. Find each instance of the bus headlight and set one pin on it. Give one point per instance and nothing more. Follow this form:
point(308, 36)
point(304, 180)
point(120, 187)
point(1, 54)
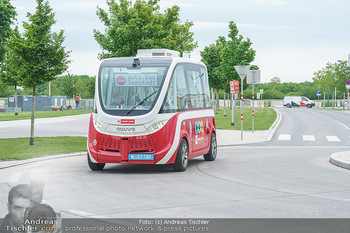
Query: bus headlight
point(98, 126)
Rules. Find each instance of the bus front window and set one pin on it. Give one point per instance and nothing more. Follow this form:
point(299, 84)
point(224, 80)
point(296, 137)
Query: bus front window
point(122, 88)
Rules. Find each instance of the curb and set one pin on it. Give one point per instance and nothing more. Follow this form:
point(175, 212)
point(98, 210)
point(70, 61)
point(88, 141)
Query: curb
point(274, 126)
point(13, 163)
point(336, 160)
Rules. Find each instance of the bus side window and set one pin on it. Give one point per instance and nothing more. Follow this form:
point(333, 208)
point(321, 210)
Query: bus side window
point(175, 99)
point(206, 91)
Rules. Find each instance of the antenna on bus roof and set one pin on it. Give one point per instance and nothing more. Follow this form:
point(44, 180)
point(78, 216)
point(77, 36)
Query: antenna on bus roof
point(157, 53)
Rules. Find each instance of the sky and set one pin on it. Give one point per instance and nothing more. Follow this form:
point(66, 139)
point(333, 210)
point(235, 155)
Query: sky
point(292, 38)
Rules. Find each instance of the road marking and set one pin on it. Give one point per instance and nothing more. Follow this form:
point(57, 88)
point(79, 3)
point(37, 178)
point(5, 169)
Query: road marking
point(308, 138)
point(84, 214)
point(36, 164)
point(284, 137)
point(333, 139)
point(15, 177)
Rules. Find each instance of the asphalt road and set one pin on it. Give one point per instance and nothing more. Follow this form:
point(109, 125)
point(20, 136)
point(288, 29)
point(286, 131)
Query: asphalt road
point(76, 125)
point(278, 179)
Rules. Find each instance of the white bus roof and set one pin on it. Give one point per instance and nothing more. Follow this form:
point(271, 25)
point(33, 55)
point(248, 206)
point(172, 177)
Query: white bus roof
point(157, 53)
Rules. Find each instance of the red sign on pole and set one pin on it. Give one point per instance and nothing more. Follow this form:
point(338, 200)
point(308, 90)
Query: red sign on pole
point(234, 86)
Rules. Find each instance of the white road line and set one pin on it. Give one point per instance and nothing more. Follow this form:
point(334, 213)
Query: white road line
point(284, 137)
point(15, 177)
point(36, 164)
point(85, 214)
point(333, 139)
point(308, 138)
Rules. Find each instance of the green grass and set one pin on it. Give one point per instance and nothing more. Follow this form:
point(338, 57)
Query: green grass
point(19, 148)
point(263, 118)
point(10, 116)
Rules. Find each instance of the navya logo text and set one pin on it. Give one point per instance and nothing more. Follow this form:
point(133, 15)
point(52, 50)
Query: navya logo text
point(125, 129)
point(199, 127)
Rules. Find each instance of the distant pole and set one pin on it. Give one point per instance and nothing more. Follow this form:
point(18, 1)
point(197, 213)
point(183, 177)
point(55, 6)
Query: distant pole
point(233, 121)
point(234, 99)
point(241, 109)
point(253, 107)
point(328, 98)
point(242, 71)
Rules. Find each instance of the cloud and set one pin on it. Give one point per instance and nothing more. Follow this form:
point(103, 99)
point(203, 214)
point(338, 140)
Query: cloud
point(78, 6)
point(270, 2)
point(209, 25)
point(200, 25)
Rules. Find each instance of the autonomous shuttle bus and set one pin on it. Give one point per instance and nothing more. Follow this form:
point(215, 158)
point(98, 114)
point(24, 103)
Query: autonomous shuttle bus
point(151, 109)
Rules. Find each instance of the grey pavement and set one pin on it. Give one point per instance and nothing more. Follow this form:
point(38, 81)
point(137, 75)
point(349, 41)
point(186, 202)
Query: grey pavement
point(224, 138)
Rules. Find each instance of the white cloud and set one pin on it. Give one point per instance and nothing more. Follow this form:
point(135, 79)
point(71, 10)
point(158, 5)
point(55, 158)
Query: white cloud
point(270, 2)
point(209, 26)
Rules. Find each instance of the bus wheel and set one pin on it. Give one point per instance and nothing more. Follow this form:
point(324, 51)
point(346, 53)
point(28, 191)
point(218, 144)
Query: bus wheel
point(181, 157)
point(95, 166)
point(211, 156)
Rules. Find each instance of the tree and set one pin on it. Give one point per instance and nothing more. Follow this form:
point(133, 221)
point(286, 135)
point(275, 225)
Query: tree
point(342, 73)
point(68, 86)
point(41, 51)
point(7, 16)
point(211, 57)
point(10, 67)
point(141, 26)
point(236, 52)
point(80, 86)
point(324, 79)
point(91, 86)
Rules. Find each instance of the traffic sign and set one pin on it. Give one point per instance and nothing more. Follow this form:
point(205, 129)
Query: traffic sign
point(253, 76)
point(234, 86)
point(242, 71)
point(347, 82)
point(318, 92)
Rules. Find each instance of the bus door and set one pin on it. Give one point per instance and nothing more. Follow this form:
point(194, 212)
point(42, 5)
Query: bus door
point(200, 136)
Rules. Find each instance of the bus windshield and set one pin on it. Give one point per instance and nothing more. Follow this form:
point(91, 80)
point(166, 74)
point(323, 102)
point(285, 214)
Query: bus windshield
point(123, 88)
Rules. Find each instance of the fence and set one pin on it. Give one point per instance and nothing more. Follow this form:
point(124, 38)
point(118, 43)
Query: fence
point(84, 104)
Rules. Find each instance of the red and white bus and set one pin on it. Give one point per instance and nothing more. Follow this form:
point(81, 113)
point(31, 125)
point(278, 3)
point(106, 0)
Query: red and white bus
point(151, 109)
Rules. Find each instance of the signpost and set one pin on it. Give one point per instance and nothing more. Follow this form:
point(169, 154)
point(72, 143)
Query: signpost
point(234, 89)
point(242, 72)
point(252, 78)
point(347, 85)
point(318, 93)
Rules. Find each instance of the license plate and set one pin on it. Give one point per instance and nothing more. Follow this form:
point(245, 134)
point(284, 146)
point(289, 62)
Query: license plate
point(141, 157)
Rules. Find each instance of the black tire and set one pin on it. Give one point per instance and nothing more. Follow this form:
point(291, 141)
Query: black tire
point(309, 106)
point(288, 106)
point(211, 156)
point(181, 157)
point(95, 166)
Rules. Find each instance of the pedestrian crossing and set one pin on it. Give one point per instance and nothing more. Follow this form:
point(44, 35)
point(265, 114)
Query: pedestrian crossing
point(307, 138)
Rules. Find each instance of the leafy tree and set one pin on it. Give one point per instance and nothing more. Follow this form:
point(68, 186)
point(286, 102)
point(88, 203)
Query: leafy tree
point(11, 73)
point(7, 16)
point(91, 86)
point(211, 57)
point(324, 79)
point(79, 86)
point(68, 86)
point(342, 73)
point(236, 52)
point(141, 26)
point(41, 51)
